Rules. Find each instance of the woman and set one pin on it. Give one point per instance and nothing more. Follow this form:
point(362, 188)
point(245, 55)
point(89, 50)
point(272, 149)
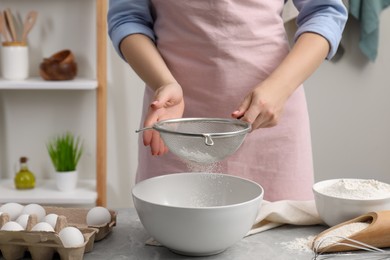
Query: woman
point(222, 58)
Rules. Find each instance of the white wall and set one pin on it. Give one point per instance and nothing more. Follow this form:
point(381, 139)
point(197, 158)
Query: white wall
point(125, 93)
point(350, 110)
point(348, 105)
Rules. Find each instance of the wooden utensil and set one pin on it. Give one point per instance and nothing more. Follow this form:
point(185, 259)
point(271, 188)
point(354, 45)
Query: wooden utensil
point(377, 234)
point(10, 23)
point(28, 24)
point(3, 28)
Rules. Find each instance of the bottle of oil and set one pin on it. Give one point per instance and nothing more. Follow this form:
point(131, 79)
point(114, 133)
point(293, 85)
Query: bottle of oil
point(24, 179)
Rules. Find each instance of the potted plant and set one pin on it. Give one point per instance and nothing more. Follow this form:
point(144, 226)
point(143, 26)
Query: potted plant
point(65, 152)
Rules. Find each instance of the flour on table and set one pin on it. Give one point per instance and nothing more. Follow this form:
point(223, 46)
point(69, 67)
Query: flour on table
point(300, 244)
point(304, 244)
point(357, 189)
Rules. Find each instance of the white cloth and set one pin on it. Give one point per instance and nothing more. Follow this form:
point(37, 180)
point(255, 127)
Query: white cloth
point(289, 11)
point(275, 214)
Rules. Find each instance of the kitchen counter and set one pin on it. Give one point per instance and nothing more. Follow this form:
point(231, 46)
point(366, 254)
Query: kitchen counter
point(127, 241)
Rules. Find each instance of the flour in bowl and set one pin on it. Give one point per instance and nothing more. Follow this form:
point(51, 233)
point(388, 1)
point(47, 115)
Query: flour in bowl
point(357, 189)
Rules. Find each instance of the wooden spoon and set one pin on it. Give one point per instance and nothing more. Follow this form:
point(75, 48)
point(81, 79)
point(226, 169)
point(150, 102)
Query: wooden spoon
point(377, 234)
point(10, 23)
point(28, 24)
point(3, 28)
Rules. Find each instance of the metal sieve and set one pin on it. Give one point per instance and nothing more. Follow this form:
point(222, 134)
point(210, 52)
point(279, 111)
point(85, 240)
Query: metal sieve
point(202, 140)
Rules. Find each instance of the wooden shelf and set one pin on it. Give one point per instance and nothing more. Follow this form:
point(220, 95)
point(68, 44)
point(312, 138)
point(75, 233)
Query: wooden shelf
point(45, 192)
point(40, 84)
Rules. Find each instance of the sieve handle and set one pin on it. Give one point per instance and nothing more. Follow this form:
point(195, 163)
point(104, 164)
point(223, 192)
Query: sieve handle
point(208, 140)
point(144, 129)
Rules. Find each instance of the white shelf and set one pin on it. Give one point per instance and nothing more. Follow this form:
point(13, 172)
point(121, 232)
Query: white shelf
point(93, 82)
point(45, 192)
point(38, 83)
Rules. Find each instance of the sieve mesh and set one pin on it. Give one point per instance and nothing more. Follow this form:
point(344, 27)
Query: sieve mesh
point(203, 140)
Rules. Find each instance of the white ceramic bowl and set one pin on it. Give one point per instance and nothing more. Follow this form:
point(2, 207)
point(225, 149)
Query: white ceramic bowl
point(334, 210)
point(197, 213)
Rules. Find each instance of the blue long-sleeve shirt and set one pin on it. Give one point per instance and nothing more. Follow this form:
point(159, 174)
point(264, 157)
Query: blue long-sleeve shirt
point(326, 18)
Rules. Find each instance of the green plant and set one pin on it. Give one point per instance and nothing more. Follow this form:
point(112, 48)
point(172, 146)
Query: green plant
point(65, 152)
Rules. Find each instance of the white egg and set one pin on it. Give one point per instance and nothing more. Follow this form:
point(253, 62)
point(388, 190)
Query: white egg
point(12, 209)
point(51, 219)
point(12, 226)
point(98, 216)
point(71, 237)
point(22, 220)
point(43, 226)
point(36, 209)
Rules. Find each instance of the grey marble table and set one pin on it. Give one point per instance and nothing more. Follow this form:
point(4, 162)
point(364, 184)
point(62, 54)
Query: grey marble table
point(127, 241)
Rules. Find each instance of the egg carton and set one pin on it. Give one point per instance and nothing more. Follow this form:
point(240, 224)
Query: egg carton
point(43, 245)
point(77, 217)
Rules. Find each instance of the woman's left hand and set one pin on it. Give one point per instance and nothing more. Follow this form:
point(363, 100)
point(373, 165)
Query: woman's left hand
point(263, 106)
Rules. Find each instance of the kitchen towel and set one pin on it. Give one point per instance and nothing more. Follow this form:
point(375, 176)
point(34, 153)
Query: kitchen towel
point(367, 12)
point(275, 214)
point(289, 12)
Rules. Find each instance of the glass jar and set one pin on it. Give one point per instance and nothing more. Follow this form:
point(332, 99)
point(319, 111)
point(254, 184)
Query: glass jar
point(24, 179)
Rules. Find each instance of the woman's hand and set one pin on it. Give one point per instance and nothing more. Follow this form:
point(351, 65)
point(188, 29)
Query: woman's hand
point(168, 103)
point(263, 106)
point(142, 55)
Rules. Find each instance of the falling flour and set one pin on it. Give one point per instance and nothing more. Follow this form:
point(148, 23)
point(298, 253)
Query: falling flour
point(339, 234)
point(357, 189)
point(196, 156)
point(197, 161)
point(203, 167)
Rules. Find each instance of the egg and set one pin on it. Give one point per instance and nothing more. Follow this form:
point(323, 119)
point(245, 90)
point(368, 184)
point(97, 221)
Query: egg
point(71, 237)
point(12, 209)
point(22, 220)
point(43, 226)
point(98, 216)
point(12, 226)
point(51, 219)
point(36, 209)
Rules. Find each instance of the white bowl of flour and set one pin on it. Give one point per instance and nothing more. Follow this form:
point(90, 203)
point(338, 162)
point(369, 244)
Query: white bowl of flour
point(339, 200)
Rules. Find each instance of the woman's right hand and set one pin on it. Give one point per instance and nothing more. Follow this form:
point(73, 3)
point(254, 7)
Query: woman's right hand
point(142, 55)
point(168, 103)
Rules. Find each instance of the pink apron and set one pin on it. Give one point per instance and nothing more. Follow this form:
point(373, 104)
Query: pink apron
point(218, 51)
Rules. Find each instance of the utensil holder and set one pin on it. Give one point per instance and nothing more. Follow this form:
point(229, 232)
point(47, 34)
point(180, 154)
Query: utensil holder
point(14, 60)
